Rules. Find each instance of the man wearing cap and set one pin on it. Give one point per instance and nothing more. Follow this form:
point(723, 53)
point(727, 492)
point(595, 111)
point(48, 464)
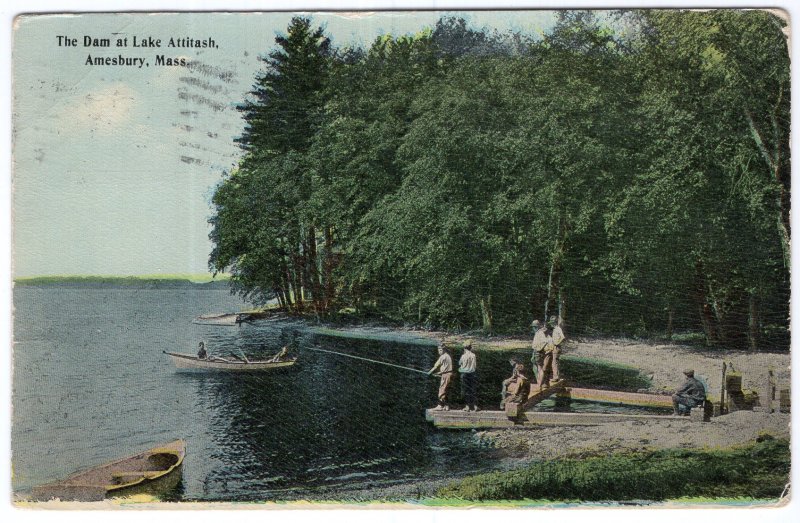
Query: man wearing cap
point(538, 345)
point(467, 366)
point(445, 367)
point(557, 339)
point(690, 395)
point(516, 388)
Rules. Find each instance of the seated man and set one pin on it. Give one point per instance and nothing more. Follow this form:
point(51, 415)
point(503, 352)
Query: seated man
point(202, 353)
point(281, 356)
point(691, 394)
point(516, 388)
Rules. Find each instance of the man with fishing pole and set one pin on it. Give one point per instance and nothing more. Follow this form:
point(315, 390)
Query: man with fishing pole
point(445, 367)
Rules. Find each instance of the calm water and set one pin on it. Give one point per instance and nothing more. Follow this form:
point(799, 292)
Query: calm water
point(91, 384)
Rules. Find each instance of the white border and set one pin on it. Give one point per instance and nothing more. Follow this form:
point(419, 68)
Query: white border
point(10, 8)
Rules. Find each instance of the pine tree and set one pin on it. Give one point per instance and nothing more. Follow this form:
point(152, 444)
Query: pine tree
point(288, 97)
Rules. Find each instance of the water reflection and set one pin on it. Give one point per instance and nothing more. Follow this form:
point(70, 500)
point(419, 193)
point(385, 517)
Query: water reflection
point(326, 421)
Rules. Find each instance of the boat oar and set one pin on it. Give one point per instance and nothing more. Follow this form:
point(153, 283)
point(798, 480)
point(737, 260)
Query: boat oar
point(368, 359)
point(243, 356)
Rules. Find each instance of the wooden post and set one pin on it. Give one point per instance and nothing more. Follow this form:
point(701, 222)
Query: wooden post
point(785, 401)
point(770, 395)
point(722, 390)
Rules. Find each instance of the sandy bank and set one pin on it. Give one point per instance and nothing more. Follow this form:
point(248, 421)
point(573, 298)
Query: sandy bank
point(662, 362)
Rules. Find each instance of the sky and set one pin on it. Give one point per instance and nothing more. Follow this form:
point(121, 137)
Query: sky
point(114, 166)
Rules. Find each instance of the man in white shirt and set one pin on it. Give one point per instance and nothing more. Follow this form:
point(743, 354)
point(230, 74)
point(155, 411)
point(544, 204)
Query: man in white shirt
point(445, 367)
point(467, 366)
point(538, 359)
point(558, 338)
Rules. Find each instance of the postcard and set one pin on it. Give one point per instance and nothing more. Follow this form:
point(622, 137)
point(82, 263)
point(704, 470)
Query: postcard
point(518, 258)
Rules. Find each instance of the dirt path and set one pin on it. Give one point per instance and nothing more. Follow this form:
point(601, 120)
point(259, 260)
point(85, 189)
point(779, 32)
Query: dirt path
point(729, 430)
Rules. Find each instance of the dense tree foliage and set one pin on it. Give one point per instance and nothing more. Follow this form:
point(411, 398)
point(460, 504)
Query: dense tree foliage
point(629, 171)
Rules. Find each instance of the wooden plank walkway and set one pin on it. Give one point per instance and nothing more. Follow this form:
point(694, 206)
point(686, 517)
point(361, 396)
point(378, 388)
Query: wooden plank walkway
point(497, 419)
point(536, 395)
point(520, 416)
point(636, 399)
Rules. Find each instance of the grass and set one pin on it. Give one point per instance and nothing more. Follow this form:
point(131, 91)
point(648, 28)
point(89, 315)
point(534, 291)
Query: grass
point(756, 471)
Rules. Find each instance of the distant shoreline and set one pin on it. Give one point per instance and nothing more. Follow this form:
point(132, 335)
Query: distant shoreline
point(148, 281)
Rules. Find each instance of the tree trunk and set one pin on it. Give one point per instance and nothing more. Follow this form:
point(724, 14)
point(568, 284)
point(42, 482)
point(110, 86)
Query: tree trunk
point(298, 283)
point(753, 322)
point(704, 309)
point(774, 161)
point(287, 288)
point(327, 271)
point(670, 320)
point(549, 288)
point(486, 313)
point(279, 295)
point(313, 270)
point(784, 225)
point(554, 278)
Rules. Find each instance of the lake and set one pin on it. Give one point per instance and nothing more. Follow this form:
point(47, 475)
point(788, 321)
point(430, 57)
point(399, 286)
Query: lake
point(92, 384)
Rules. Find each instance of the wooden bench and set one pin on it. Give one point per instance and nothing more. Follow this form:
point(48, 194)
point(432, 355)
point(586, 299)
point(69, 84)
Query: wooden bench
point(120, 477)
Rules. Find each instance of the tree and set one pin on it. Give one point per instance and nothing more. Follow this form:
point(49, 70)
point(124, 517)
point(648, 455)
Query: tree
point(287, 98)
point(696, 219)
point(260, 230)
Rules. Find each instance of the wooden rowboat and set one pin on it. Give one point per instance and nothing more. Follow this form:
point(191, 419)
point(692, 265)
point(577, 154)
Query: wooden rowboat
point(187, 362)
point(225, 320)
point(154, 471)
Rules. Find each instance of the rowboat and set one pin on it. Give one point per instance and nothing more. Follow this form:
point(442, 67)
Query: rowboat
point(157, 470)
point(223, 319)
point(188, 362)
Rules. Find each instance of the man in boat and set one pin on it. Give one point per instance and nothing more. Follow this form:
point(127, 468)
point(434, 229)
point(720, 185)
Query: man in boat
point(691, 394)
point(283, 355)
point(516, 388)
point(467, 367)
point(201, 353)
point(538, 345)
point(444, 366)
point(557, 338)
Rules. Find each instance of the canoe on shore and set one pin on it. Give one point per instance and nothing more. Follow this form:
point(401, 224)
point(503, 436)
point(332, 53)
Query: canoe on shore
point(187, 362)
point(156, 470)
point(223, 319)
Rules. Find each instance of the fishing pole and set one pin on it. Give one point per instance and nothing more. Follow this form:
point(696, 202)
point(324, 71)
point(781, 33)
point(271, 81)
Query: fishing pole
point(367, 359)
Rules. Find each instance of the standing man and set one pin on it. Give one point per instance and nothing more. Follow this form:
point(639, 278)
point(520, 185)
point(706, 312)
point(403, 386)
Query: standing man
point(538, 345)
point(691, 394)
point(445, 367)
point(558, 339)
point(467, 366)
